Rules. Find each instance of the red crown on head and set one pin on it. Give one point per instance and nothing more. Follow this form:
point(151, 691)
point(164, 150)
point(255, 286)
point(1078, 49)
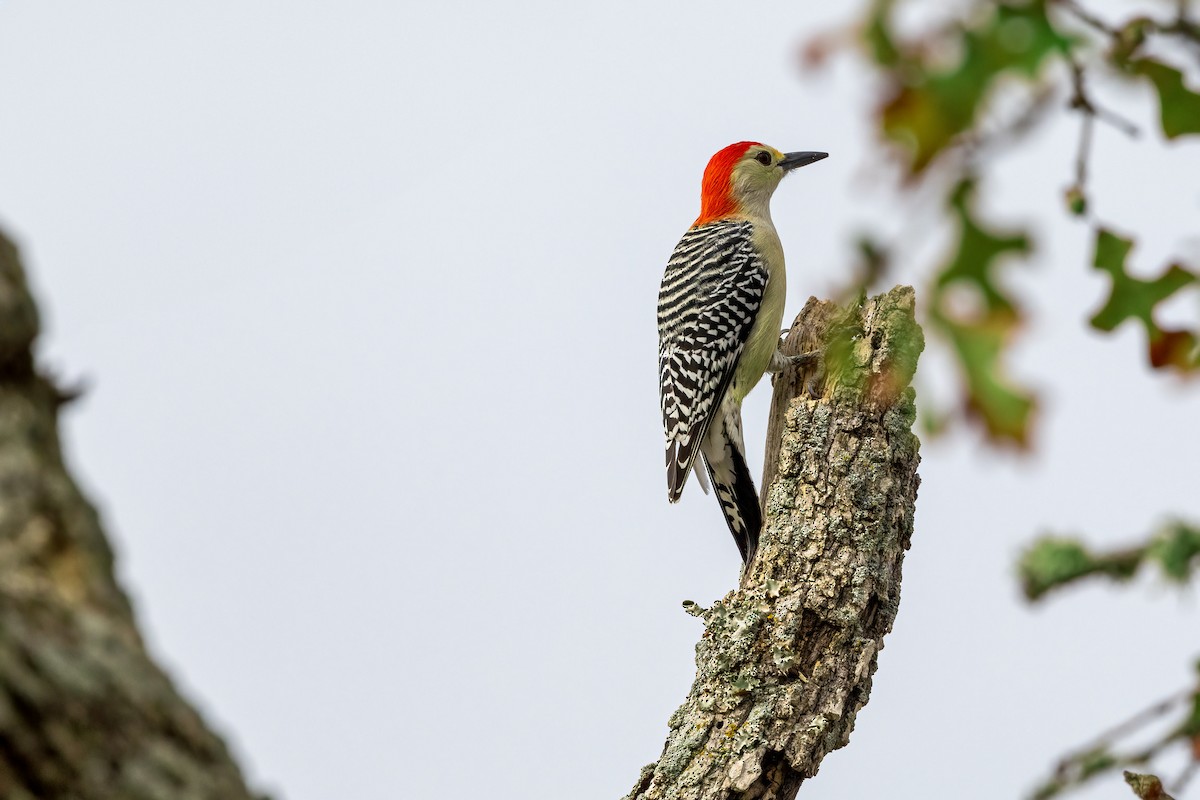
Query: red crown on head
point(716, 190)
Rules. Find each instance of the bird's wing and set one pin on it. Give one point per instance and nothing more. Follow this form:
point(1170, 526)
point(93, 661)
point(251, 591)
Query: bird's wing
point(707, 305)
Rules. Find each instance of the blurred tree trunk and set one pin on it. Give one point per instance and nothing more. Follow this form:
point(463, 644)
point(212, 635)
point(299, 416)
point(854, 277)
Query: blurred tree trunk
point(786, 660)
point(84, 711)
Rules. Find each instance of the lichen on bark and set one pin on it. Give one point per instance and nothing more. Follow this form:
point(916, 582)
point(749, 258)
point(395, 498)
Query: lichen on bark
point(786, 660)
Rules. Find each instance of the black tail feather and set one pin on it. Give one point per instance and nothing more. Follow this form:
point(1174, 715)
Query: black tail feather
point(746, 497)
point(734, 487)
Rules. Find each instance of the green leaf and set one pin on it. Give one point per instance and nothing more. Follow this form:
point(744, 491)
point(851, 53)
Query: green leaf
point(1179, 106)
point(1177, 550)
point(978, 251)
point(930, 105)
point(1004, 408)
point(981, 332)
point(1134, 298)
point(1053, 562)
point(878, 36)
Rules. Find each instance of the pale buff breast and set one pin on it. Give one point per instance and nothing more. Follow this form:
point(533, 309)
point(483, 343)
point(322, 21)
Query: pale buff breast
point(764, 335)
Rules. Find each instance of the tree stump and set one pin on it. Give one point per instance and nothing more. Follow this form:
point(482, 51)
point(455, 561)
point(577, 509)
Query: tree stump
point(786, 660)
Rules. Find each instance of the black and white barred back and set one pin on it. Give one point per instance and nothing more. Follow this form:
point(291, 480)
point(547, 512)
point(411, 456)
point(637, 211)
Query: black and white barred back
point(707, 305)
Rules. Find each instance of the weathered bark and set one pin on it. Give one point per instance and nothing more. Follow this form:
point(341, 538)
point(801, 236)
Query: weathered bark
point(786, 660)
point(84, 712)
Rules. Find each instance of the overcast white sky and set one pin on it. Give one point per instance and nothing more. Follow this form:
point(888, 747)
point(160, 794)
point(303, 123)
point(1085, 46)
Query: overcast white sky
point(364, 293)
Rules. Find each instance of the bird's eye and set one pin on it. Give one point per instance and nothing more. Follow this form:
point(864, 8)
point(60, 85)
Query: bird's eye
point(763, 158)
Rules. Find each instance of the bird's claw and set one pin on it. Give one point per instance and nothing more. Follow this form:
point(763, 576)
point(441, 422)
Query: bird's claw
point(814, 361)
point(781, 361)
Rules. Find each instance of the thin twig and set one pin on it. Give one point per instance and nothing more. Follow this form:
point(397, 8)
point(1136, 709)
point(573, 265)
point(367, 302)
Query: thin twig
point(1084, 151)
point(1081, 101)
point(1007, 132)
point(1183, 24)
point(1087, 17)
point(1125, 126)
point(1143, 717)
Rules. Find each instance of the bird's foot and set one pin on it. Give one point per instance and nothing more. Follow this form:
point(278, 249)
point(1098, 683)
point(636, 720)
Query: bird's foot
point(813, 361)
point(780, 361)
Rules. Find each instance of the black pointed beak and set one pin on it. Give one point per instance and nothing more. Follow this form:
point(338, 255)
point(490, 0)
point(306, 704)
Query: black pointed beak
point(793, 160)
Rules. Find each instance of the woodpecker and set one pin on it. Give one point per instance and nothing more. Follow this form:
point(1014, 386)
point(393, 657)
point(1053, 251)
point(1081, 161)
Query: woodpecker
point(720, 308)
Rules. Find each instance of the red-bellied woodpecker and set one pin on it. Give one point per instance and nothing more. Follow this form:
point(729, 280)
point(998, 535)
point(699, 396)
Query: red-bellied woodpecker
point(719, 312)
